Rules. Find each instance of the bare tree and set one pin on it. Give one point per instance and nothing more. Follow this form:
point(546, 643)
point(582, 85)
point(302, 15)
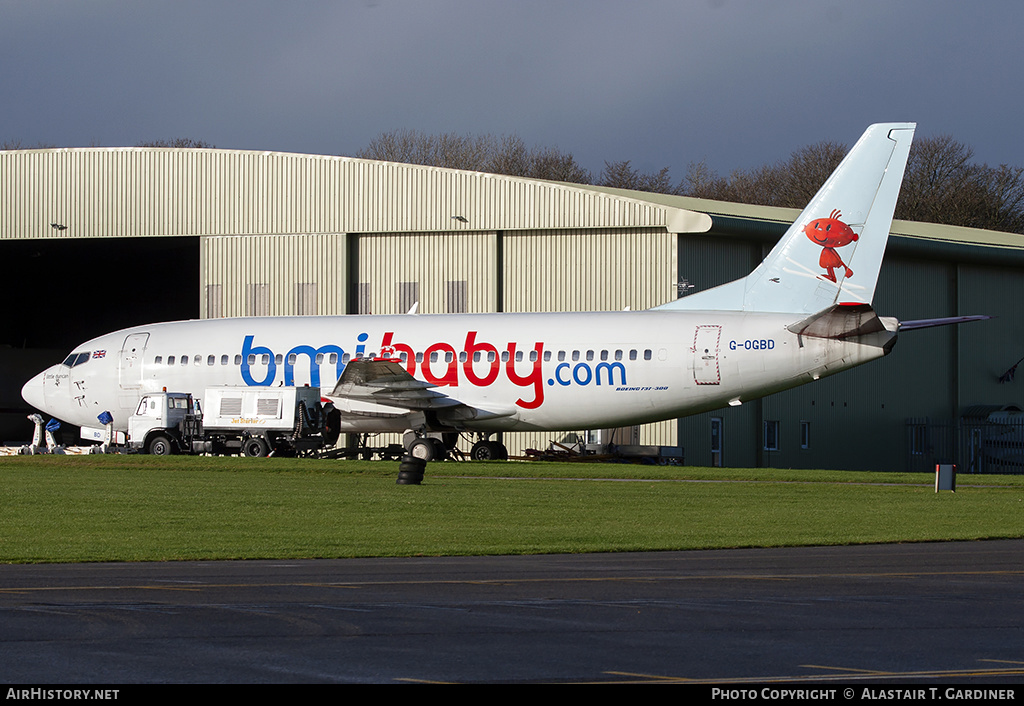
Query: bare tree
point(17, 145)
point(507, 154)
point(180, 143)
point(942, 184)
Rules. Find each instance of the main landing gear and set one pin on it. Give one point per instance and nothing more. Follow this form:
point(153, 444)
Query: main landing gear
point(422, 449)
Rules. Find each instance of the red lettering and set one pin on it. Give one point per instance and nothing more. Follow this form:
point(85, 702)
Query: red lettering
point(535, 378)
point(451, 376)
point(390, 351)
point(472, 347)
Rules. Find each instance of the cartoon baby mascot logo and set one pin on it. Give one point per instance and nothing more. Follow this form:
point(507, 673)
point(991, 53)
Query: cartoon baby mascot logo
point(831, 233)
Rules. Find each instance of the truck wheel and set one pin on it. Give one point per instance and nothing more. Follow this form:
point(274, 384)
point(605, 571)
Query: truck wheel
point(254, 447)
point(160, 445)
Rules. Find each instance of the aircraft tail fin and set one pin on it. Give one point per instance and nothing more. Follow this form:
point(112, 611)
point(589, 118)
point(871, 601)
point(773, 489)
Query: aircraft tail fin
point(832, 253)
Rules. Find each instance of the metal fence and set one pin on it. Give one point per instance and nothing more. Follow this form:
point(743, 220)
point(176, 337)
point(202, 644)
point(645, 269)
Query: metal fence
point(974, 446)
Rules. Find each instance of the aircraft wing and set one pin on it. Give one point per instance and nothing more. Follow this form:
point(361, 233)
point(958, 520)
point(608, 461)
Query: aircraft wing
point(382, 387)
point(387, 382)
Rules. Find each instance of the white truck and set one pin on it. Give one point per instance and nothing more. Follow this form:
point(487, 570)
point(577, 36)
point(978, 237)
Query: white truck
point(251, 421)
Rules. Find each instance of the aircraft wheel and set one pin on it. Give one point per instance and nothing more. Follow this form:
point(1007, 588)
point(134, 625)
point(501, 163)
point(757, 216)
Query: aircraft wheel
point(488, 451)
point(254, 447)
point(160, 445)
point(424, 449)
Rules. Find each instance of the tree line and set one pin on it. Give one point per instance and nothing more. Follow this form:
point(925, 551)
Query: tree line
point(942, 183)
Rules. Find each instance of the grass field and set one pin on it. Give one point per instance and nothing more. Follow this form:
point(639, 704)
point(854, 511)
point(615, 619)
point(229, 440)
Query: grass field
point(143, 508)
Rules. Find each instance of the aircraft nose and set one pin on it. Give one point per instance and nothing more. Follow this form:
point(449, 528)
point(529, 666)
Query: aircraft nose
point(32, 392)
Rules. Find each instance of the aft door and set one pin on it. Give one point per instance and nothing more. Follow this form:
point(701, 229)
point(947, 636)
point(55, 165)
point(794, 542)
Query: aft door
point(705, 355)
point(129, 369)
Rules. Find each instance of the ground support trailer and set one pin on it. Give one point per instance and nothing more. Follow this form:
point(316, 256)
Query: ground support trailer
point(250, 421)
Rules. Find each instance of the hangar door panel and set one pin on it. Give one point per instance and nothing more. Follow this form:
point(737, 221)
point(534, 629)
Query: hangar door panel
point(442, 273)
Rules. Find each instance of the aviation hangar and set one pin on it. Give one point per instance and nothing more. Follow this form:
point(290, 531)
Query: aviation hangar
point(97, 239)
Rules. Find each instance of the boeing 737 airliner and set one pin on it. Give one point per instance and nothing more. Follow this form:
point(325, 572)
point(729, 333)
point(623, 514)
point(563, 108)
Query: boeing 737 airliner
point(803, 313)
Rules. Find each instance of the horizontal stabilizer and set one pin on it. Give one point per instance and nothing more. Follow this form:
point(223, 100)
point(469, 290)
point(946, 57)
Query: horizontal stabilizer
point(929, 323)
point(840, 321)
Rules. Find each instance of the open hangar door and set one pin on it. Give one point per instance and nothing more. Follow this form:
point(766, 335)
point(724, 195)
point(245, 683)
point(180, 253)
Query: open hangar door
point(57, 293)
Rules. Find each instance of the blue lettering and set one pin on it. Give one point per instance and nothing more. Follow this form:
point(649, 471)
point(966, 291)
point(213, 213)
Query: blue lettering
point(247, 350)
point(583, 374)
point(753, 344)
point(576, 371)
point(314, 367)
point(558, 374)
point(611, 368)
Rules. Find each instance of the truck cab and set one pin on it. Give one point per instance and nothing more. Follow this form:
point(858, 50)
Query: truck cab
point(162, 421)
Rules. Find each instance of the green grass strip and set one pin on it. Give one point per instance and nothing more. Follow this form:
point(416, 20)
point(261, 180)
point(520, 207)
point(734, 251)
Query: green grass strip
point(140, 508)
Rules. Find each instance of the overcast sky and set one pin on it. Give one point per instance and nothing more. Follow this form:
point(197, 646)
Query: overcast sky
point(738, 83)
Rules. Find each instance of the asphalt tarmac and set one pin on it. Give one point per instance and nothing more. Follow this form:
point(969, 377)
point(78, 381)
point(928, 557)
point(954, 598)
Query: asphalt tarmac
point(948, 613)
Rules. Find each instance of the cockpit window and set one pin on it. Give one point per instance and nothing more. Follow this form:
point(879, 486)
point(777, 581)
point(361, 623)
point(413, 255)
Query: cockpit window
point(76, 359)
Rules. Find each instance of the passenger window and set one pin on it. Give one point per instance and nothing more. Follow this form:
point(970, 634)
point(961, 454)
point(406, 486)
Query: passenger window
point(211, 360)
point(223, 360)
point(184, 360)
point(159, 360)
point(170, 360)
point(647, 354)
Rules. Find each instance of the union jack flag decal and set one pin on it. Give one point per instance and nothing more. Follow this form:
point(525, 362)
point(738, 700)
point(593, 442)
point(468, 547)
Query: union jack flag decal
point(99, 354)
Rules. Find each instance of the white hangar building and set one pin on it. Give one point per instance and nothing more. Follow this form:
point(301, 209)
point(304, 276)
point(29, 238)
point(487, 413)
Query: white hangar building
point(97, 239)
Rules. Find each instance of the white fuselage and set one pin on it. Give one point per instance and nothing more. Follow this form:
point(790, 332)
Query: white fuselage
point(522, 371)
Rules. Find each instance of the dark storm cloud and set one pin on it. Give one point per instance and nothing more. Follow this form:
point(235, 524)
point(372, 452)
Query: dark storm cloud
point(738, 83)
